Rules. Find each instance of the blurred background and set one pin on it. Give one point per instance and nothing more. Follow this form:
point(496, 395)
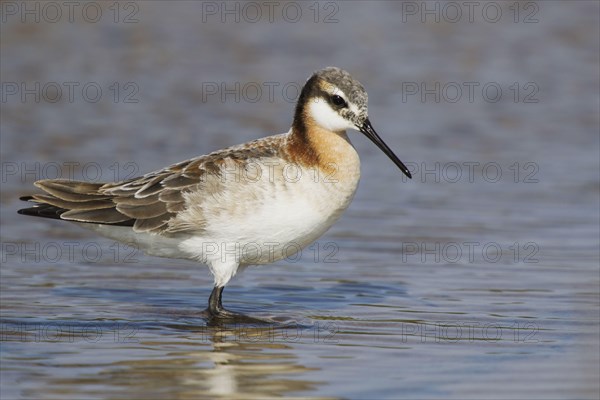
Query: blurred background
point(479, 278)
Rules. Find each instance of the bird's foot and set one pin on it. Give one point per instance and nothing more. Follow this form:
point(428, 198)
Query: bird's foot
point(224, 316)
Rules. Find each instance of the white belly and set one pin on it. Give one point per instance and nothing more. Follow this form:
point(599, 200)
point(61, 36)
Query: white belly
point(261, 230)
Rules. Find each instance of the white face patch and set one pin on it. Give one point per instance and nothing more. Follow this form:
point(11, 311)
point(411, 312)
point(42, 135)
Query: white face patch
point(326, 117)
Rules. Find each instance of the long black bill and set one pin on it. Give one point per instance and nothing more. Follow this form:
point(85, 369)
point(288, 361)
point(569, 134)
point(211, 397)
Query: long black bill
point(369, 132)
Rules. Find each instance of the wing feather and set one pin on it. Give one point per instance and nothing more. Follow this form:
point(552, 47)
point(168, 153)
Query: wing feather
point(155, 224)
point(143, 212)
point(73, 205)
point(71, 190)
point(102, 216)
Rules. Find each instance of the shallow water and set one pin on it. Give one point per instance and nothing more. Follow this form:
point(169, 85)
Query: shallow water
point(461, 283)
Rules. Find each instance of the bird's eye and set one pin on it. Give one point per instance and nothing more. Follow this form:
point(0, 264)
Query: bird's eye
point(338, 100)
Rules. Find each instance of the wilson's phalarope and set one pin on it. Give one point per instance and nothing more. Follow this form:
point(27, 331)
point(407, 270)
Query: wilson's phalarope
point(251, 204)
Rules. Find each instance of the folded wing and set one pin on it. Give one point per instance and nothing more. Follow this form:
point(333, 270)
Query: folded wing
point(146, 203)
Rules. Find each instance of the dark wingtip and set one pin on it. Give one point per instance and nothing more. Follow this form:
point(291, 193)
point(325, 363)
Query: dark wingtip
point(31, 211)
point(42, 210)
point(26, 198)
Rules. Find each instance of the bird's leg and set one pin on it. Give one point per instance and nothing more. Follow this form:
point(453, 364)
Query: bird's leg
point(215, 306)
point(218, 313)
